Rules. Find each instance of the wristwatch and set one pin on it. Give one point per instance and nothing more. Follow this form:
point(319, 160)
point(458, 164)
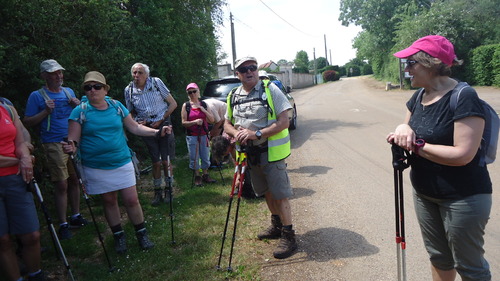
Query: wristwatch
point(258, 134)
point(419, 143)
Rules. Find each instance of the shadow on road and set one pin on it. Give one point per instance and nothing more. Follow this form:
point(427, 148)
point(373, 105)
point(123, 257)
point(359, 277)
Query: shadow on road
point(327, 244)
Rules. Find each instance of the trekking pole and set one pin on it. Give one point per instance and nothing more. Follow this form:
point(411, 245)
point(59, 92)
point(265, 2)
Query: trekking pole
point(399, 164)
point(196, 160)
point(237, 178)
point(171, 199)
point(87, 200)
point(57, 244)
point(240, 188)
point(219, 165)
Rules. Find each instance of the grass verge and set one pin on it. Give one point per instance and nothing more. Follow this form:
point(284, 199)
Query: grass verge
point(199, 219)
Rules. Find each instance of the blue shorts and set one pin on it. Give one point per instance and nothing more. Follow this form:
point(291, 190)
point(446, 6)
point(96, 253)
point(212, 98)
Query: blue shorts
point(270, 177)
point(453, 232)
point(17, 209)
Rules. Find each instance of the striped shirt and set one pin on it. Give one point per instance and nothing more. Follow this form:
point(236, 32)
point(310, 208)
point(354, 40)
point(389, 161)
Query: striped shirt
point(149, 104)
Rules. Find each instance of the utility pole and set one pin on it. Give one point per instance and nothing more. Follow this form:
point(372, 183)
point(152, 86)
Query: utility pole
point(315, 70)
point(331, 59)
point(233, 40)
point(326, 54)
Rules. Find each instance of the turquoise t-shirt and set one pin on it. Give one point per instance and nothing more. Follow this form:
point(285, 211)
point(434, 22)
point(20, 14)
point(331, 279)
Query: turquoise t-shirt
point(102, 144)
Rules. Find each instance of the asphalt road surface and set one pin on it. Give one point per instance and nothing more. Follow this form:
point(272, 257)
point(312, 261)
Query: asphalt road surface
point(342, 176)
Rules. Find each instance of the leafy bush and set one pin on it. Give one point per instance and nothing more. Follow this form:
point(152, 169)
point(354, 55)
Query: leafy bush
point(330, 75)
point(485, 62)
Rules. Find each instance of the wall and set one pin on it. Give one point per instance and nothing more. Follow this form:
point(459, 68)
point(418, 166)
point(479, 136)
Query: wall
point(296, 80)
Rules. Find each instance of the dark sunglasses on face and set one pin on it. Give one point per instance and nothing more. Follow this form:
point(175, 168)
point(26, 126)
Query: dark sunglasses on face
point(97, 87)
point(244, 69)
point(410, 63)
point(192, 92)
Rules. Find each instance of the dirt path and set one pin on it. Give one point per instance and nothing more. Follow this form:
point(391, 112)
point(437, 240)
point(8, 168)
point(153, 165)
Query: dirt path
point(343, 206)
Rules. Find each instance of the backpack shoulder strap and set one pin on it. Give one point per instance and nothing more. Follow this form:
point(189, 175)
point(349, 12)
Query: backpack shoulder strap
point(455, 95)
point(66, 92)
point(188, 108)
point(204, 104)
point(7, 107)
point(418, 99)
point(44, 94)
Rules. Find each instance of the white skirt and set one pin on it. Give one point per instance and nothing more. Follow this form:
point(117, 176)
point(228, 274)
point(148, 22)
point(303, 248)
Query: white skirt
point(98, 181)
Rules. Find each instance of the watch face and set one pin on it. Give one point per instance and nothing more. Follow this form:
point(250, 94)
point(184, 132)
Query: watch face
point(258, 134)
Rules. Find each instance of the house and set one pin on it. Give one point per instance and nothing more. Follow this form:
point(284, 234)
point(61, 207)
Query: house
point(271, 65)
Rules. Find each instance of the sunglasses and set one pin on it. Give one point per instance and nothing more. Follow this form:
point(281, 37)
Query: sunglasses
point(96, 87)
point(244, 69)
point(410, 63)
point(192, 92)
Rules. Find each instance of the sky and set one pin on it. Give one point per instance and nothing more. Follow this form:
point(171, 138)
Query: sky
point(271, 30)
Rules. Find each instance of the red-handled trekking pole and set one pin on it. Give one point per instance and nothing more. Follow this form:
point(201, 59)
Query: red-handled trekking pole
point(399, 157)
point(236, 188)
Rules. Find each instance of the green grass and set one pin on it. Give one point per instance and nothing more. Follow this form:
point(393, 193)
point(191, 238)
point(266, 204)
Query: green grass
point(199, 219)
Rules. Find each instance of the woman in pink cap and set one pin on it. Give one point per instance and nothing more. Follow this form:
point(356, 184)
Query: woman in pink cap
point(452, 187)
point(194, 116)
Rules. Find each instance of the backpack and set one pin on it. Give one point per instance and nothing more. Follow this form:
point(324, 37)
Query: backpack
point(46, 97)
point(188, 109)
point(262, 98)
point(489, 139)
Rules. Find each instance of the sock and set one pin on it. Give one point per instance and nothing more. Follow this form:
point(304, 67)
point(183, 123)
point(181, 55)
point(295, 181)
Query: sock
point(140, 226)
point(116, 228)
point(63, 224)
point(287, 227)
point(74, 216)
point(157, 183)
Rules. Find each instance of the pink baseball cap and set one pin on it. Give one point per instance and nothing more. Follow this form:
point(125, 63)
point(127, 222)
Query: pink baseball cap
point(192, 85)
point(434, 45)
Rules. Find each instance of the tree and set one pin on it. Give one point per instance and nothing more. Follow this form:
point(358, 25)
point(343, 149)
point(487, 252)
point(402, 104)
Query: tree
point(321, 62)
point(301, 62)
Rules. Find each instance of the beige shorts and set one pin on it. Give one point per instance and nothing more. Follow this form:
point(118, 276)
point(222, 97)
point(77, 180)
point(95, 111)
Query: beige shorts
point(59, 164)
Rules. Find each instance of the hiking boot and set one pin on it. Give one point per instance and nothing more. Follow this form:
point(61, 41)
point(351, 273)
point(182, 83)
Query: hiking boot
point(40, 276)
point(273, 231)
point(77, 222)
point(64, 232)
point(142, 238)
point(197, 181)
point(287, 244)
point(206, 178)
point(158, 198)
point(120, 242)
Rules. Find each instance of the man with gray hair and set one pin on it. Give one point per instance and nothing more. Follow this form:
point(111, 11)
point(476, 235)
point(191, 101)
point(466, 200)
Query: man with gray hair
point(151, 104)
point(49, 109)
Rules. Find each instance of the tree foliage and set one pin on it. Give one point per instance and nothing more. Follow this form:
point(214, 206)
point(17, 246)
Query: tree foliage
point(301, 62)
point(175, 38)
point(391, 25)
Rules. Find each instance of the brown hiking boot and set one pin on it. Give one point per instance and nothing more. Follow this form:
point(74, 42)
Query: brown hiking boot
point(158, 198)
point(207, 179)
point(273, 231)
point(287, 244)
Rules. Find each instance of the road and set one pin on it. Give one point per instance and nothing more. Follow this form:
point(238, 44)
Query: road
point(342, 176)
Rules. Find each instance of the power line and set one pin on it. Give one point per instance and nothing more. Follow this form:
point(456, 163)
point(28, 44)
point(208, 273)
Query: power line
point(285, 20)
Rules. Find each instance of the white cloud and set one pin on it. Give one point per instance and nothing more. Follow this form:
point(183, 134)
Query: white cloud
point(292, 27)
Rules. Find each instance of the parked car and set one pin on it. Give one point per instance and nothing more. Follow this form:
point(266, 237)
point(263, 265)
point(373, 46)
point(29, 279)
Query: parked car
point(220, 88)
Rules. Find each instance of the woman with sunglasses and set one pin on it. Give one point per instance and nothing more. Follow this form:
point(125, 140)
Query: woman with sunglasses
point(452, 189)
point(195, 122)
point(96, 130)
